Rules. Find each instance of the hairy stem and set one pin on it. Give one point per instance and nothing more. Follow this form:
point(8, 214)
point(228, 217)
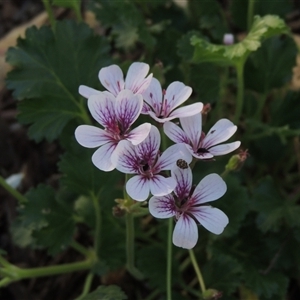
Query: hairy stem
point(240, 91)
point(49, 11)
point(169, 260)
point(251, 4)
point(197, 270)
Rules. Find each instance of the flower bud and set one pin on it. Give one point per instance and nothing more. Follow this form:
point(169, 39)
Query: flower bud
point(236, 161)
point(212, 294)
point(228, 39)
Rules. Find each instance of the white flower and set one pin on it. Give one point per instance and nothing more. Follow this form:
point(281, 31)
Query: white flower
point(186, 206)
point(112, 79)
point(116, 115)
point(145, 163)
point(200, 145)
point(162, 107)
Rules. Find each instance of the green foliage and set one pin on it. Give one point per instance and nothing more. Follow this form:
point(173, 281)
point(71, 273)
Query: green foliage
point(262, 28)
point(48, 71)
point(111, 292)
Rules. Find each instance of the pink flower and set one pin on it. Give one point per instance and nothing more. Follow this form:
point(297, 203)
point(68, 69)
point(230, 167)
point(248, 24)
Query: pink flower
point(112, 79)
point(116, 115)
point(200, 145)
point(162, 106)
point(186, 206)
point(146, 164)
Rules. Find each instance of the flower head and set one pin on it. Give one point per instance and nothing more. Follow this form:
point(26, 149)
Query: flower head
point(145, 163)
point(200, 145)
point(112, 79)
point(116, 115)
point(162, 106)
point(186, 206)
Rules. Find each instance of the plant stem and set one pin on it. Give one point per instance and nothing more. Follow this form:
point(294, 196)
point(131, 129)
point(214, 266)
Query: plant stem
point(18, 273)
point(21, 199)
point(98, 224)
point(240, 91)
point(169, 259)
point(78, 12)
point(261, 103)
point(251, 4)
point(79, 248)
point(4, 262)
point(197, 270)
point(87, 285)
point(50, 13)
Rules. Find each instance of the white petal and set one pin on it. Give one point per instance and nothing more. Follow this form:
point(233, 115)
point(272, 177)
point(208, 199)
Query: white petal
point(153, 96)
point(125, 158)
point(213, 219)
point(147, 150)
point(162, 207)
point(160, 186)
point(175, 133)
point(102, 109)
point(139, 134)
point(176, 94)
point(224, 149)
point(111, 78)
point(168, 159)
point(91, 136)
point(86, 91)
point(186, 111)
point(185, 233)
point(137, 188)
point(128, 107)
point(102, 157)
point(135, 78)
point(15, 180)
point(184, 178)
point(210, 188)
point(219, 133)
point(192, 127)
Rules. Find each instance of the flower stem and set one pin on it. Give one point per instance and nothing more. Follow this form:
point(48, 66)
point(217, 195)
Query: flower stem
point(21, 199)
point(240, 91)
point(251, 4)
point(98, 223)
point(50, 13)
point(79, 248)
point(197, 270)
point(87, 285)
point(169, 260)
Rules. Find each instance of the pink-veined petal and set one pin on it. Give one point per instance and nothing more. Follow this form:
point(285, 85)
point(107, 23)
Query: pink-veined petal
point(210, 188)
point(176, 94)
point(91, 136)
point(186, 111)
point(135, 78)
point(175, 133)
point(224, 148)
point(102, 157)
point(102, 109)
point(213, 219)
point(146, 108)
point(153, 96)
point(185, 233)
point(86, 91)
point(139, 134)
point(127, 107)
point(111, 78)
point(160, 186)
point(184, 178)
point(125, 158)
point(168, 159)
point(137, 188)
point(192, 126)
point(219, 133)
point(162, 207)
point(147, 150)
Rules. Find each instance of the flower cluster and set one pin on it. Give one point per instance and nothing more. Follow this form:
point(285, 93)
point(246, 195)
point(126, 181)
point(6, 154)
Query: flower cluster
point(166, 176)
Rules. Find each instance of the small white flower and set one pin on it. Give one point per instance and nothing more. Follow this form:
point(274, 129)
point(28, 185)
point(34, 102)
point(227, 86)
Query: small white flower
point(203, 146)
point(112, 79)
point(116, 115)
point(186, 206)
point(162, 106)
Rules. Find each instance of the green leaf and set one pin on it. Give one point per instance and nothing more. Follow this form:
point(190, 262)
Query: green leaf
point(262, 28)
point(48, 69)
point(111, 292)
point(271, 65)
point(75, 4)
point(50, 217)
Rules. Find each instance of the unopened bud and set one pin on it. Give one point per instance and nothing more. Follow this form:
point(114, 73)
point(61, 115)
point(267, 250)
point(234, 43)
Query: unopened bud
point(228, 39)
point(236, 161)
point(118, 212)
point(212, 294)
point(205, 110)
